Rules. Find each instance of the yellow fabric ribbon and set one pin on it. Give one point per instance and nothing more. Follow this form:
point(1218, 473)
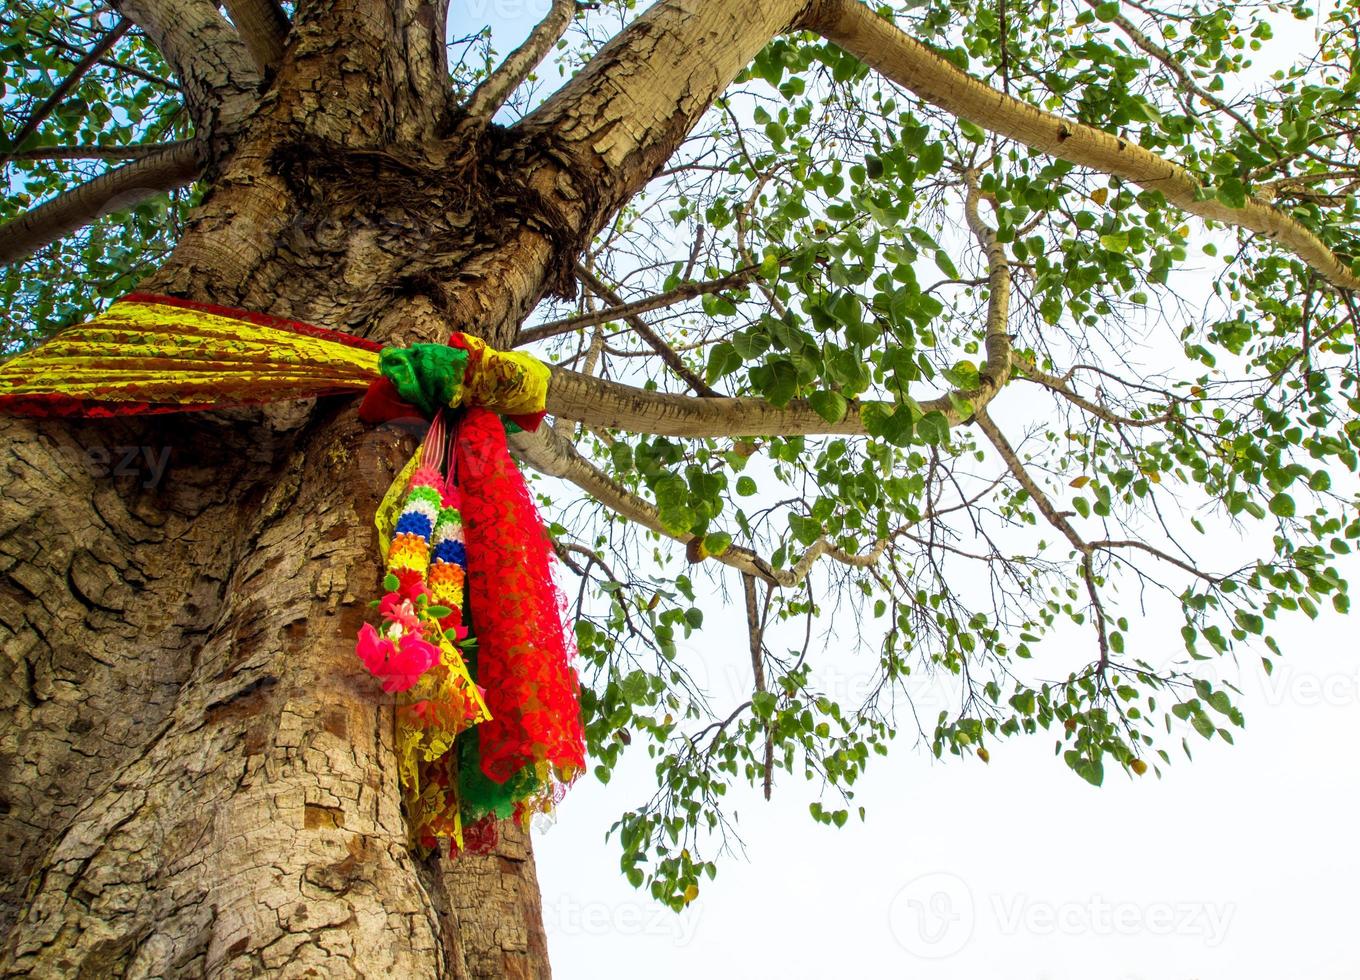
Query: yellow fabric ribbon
point(140, 351)
point(154, 353)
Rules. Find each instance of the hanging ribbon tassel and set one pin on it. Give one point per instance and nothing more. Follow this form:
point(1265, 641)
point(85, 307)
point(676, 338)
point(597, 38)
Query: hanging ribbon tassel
point(524, 653)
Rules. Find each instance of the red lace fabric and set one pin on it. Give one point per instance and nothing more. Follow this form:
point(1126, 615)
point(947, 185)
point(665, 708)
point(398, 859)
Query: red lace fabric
point(479, 837)
point(524, 653)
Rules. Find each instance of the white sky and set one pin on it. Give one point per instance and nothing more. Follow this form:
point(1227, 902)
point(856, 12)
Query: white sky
point(1242, 864)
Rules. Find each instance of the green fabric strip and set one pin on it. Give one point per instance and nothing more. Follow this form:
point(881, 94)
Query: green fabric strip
point(429, 376)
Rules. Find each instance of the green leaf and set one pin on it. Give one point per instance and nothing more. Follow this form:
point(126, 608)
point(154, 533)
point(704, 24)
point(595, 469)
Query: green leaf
point(933, 428)
point(1282, 505)
point(723, 359)
point(830, 405)
point(717, 542)
point(1092, 771)
point(1232, 192)
point(971, 131)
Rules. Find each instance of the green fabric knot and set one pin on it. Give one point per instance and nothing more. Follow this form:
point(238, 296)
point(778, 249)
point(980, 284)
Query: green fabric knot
point(429, 376)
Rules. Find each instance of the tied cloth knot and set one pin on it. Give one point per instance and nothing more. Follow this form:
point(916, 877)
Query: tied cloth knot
point(423, 378)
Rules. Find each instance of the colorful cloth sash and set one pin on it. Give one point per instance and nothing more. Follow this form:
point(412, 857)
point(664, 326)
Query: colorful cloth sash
point(487, 728)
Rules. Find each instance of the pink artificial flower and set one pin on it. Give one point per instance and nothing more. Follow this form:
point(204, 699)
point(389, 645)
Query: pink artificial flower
point(404, 667)
point(398, 667)
point(396, 608)
point(372, 649)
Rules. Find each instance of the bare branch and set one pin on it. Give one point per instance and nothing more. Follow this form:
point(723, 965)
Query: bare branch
point(639, 326)
point(755, 633)
point(124, 187)
point(64, 87)
point(1028, 370)
point(909, 63)
point(1041, 500)
point(621, 310)
point(118, 66)
point(263, 27)
point(549, 453)
point(492, 93)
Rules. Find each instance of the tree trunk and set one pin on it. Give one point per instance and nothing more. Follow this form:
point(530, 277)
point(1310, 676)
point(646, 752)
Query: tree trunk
point(200, 775)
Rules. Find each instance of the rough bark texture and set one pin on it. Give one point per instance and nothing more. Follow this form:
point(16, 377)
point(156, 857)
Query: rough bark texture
point(198, 776)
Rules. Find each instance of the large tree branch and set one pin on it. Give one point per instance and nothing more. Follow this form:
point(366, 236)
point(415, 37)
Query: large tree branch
point(134, 151)
point(603, 404)
point(997, 370)
point(263, 27)
point(493, 92)
point(65, 86)
point(909, 63)
point(601, 137)
point(213, 65)
point(115, 190)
